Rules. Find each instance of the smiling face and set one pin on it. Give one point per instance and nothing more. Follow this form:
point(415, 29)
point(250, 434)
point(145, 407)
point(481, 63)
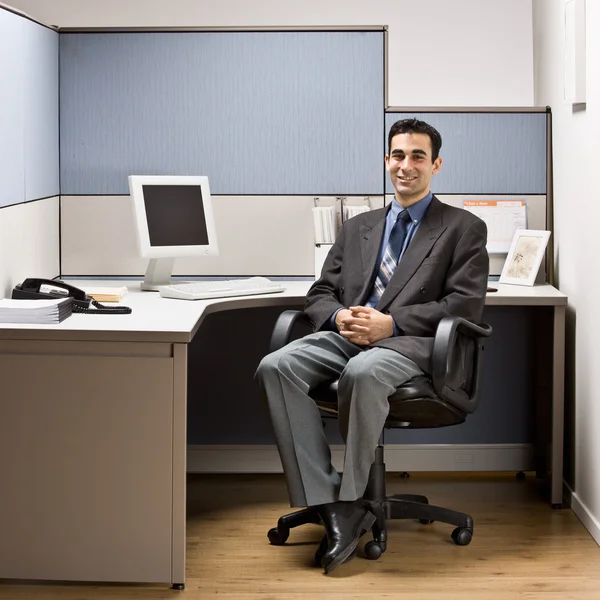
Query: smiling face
point(410, 166)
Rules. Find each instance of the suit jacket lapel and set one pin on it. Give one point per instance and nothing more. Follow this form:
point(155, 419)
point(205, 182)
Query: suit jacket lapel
point(425, 237)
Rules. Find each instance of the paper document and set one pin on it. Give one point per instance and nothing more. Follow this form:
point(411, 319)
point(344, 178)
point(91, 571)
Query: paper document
point(35, 311)
point(502, 217)
point(324, 224)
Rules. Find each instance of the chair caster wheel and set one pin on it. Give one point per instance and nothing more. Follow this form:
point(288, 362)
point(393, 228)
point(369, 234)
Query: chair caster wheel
point(405, 475)
point(178, 586)
point(278, 536)
point(462, 536)
point(373, 550)
point(520, 475)
point(425, 521)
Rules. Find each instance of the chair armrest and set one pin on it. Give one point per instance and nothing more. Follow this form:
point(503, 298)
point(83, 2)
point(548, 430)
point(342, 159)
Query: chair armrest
point(283, 328)
point(444, 346)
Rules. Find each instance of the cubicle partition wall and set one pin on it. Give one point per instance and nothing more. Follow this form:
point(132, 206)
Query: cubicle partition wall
point(497, 155)
point(490, 154)
point(274, 118)
point(29, 168)
point(278, 120)
point(258, 235)
point(259, 112)
point(29, 110)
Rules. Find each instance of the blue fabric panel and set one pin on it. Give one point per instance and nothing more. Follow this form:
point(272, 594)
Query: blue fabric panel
point(41, 111)
point(258, 112)
point(486, 153)
point(12, 190)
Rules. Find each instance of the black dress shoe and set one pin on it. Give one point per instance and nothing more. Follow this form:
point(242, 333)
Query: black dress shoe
point(344, 523)
point(322, 549)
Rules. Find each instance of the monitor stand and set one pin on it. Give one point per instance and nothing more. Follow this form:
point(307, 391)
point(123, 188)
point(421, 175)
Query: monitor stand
point(158, 274)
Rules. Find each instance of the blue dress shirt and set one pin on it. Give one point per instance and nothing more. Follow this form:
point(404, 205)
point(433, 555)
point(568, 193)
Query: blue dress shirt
point(416, 211)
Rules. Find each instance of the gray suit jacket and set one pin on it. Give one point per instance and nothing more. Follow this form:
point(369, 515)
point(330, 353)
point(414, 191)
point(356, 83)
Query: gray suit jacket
point(443, 272)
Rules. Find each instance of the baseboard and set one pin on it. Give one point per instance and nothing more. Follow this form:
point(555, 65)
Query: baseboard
point(398, 457)
point(583, 513)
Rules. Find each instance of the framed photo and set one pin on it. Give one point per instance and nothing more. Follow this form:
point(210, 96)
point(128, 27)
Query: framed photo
point(525, 256)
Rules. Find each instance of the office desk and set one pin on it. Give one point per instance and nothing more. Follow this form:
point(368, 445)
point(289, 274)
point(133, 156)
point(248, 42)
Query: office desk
point(93, 435)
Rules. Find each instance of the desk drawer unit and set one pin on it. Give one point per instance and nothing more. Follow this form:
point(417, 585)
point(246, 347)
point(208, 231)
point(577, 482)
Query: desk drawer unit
point(86, 462)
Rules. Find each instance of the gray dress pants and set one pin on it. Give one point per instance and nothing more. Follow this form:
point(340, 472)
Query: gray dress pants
point(368, 376)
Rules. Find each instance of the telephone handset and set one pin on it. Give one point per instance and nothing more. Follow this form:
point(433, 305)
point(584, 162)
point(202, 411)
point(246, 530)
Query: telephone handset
point(44, 289)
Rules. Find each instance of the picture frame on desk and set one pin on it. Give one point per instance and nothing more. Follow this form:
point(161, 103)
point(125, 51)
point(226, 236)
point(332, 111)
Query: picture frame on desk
point(525, 256)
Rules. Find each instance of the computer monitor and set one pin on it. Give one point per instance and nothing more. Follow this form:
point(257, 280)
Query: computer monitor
point(174, 217)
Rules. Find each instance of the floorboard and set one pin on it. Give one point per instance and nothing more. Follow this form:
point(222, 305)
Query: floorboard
point(521, 549)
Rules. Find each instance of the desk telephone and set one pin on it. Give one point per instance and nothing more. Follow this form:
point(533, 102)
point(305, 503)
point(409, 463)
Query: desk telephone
point(45, 289)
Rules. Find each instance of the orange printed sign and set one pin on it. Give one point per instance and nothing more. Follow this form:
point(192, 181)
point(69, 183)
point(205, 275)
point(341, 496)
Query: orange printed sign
point(494, 203)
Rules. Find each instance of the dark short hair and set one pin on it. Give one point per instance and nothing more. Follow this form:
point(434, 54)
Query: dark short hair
point(416, 126)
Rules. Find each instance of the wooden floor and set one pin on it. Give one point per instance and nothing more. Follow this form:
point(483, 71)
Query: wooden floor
point(521, 550)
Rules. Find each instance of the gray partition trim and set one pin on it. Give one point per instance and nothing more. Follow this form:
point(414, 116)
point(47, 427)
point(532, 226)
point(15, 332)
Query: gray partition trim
point(386, 71)
point(41, 111)
point(12, 190)
point(184, 29)
point(486, 153)
point(550, 201)
point(467, 109)
point(259, 113)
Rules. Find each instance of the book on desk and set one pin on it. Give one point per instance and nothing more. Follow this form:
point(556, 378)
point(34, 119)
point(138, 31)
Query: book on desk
point(106, 293)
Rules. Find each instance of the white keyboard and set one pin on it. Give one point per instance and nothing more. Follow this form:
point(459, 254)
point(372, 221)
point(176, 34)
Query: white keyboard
point(202, 290)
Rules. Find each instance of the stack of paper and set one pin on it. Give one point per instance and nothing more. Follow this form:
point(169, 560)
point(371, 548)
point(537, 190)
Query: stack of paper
point(325, 224)
point(106, 294)
point(35, 311)
point(352, 211)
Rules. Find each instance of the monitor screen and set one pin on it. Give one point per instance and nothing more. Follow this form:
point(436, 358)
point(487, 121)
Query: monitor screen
point(175, 215)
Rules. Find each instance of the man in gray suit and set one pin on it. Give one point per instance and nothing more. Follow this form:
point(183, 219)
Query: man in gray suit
point(389, 279)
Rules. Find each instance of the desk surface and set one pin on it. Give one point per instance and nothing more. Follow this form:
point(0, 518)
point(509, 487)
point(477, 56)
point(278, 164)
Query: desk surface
point(170, 320)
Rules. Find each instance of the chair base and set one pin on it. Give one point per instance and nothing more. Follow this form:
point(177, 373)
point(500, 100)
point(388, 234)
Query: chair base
point(399, 506)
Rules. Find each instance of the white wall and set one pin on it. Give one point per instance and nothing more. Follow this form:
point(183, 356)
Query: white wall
point(28, 242)
point(442, 52)
point(576, 147)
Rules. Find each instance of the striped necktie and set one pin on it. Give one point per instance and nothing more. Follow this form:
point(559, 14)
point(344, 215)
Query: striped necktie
point(390, 256)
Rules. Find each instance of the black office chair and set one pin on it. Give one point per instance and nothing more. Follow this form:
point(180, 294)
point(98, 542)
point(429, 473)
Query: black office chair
point(422, 402)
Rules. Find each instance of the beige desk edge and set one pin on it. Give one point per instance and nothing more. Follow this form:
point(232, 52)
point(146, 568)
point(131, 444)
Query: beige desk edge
point(156, 319)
